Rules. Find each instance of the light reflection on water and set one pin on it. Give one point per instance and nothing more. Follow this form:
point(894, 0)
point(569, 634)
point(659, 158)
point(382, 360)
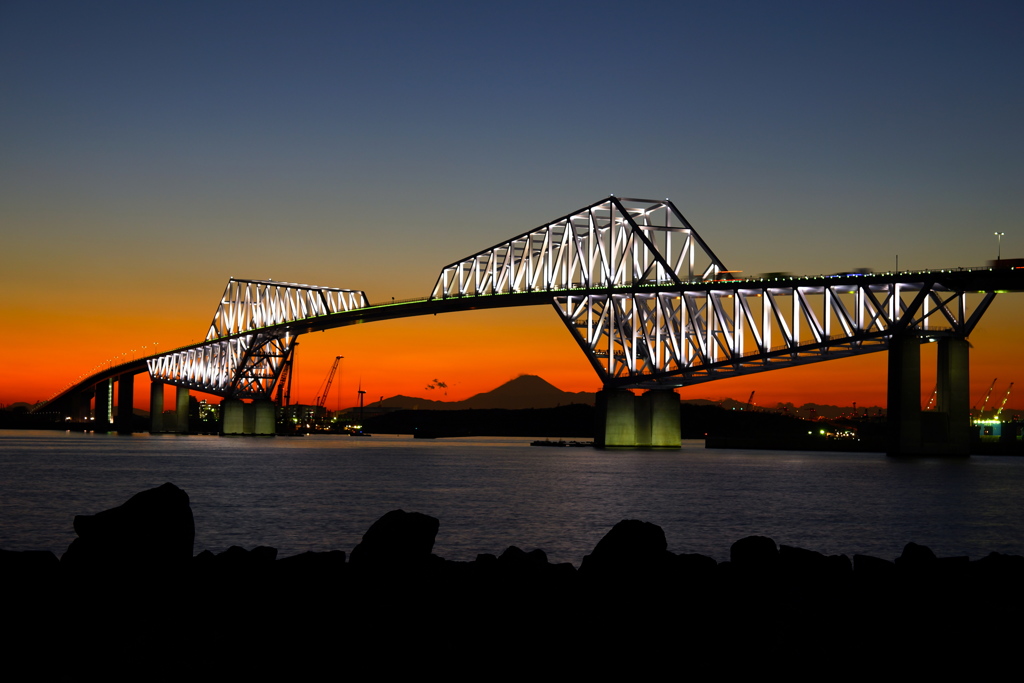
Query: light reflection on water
point(323, 492)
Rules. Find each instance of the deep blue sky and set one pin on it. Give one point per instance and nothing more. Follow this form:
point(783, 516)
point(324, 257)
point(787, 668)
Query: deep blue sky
point(368, 144)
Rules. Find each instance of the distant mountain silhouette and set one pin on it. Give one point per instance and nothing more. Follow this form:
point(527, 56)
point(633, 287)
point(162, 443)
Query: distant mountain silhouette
point(525, 391)
point(531, 391)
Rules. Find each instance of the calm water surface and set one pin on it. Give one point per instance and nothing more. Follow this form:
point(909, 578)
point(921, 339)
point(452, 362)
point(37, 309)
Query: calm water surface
point(323, 492)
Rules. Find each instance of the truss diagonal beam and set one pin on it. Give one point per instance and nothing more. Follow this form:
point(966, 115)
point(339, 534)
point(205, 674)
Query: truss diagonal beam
point(676, 338)
point(254, 304)
point(613, 243)
point(245, 349)
point(245, 366)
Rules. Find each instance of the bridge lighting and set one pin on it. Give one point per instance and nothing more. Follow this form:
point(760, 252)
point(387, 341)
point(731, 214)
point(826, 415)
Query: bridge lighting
point(999, 245)
point(596, 266)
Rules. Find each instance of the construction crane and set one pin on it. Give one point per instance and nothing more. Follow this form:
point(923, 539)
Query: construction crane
point(283, 396)
point(931, 401)
point(321, 400)
point(284, 382)
point(981, 413)
point(1003, 404)
point(750, 401)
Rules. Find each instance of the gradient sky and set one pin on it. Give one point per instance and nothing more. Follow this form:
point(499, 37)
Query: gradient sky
point(149, 151)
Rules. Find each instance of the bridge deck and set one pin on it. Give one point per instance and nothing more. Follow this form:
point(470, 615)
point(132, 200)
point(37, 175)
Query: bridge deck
point(969, 280)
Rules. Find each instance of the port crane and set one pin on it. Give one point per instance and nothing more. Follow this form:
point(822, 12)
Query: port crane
point(321, 400)
point(284, 384)
point(981, 413)
point(1003, 404)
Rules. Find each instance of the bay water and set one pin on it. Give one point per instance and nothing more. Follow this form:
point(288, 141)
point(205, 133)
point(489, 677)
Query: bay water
point(322, 493)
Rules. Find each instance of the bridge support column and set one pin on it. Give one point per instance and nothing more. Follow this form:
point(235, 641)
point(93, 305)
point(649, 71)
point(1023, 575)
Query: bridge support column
point(125, 404)
point(80, 405)
point(903, 408)
point(953, 398)
point(232, 416)
point(616, 419)
point(664, 418)
point(628, 421)
point(265, 417)
point(248, 418)
point(101, 415)
point(156, 407)
point(181, 410)
point(945, 430)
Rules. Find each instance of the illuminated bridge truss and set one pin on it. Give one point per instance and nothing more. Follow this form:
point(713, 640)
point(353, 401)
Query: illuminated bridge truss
point(650, 303)
point(616, 242)
point(253, 304)
point(682, 337)
point(643, 295)
point(246, 347)
point(246, 366)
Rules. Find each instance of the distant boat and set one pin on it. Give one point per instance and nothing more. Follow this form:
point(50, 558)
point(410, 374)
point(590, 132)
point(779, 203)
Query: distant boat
point(561, 443)
point(358, 432)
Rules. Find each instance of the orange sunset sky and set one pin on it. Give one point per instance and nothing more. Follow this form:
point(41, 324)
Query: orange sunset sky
point(151, 152)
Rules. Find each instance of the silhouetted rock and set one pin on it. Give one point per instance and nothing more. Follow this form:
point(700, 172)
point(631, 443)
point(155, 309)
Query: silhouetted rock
point(204, 559)
point(397, 539)
point(754, 554)
point(153, 530)
point(866, 566)
point(915, 557)
point(516, 557)
point(800, 560)
point(631, 547)
point(839, 565)
point(694, 565)
point(237, 557)
point(998, 565)
point(27, 562)
point(763, 600)
point(313, 560)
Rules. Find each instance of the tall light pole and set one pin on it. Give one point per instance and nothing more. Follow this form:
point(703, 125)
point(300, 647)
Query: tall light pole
point(999, 245)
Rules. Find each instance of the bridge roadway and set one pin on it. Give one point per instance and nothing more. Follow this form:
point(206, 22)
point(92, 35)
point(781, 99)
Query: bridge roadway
point(974, 280)
point(645, 299)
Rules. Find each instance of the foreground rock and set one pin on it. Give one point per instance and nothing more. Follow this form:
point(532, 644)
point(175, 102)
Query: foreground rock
point(393, 602)
point(152, 531)
point(631, 550)
point(398, 540)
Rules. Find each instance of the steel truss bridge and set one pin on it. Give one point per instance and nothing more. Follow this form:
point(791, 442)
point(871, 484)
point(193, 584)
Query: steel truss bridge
point(644, 296)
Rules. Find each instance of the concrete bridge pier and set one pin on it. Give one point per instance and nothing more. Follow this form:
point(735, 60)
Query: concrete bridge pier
point(80, 405)
point(181, 410)
point(953, 398)
point(125, 403)
point(156, 407)
point(258, 418)
point(625, 420)
point(232, 416)
point(265, 417)
point(664, 411)
point(943, 431)
point(903, 407)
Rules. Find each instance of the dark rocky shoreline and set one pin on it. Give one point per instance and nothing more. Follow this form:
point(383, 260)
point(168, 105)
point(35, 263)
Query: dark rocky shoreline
point(129, 595)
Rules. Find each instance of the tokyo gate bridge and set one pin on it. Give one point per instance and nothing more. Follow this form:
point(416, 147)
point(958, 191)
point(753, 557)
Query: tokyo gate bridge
point(649, 303)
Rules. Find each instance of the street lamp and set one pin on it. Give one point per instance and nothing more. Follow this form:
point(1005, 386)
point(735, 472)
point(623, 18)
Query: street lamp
point(999, 245)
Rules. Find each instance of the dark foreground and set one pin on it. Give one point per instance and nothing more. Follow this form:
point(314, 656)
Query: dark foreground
point(129, 601)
